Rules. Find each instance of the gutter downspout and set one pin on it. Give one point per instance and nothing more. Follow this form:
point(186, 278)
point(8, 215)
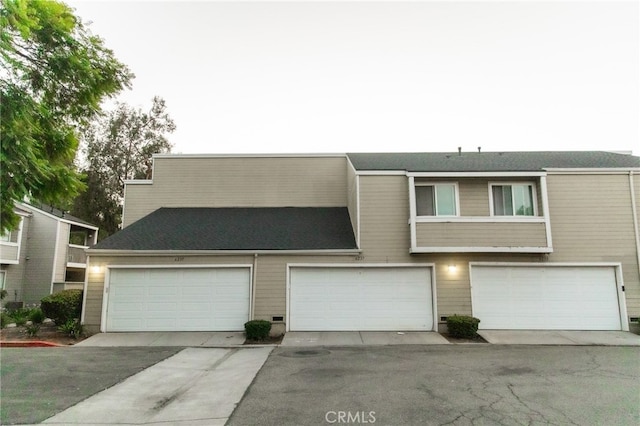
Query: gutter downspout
point(253, 286)
point(635, 218)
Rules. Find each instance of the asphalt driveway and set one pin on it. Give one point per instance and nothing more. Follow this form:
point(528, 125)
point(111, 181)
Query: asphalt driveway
point(40, 382)
point(445, 385)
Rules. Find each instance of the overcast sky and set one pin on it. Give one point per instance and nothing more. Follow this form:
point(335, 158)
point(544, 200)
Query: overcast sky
point(263, 77)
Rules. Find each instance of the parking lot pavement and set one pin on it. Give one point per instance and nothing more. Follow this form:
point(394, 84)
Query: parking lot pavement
point(445, 384)
point(40, 382)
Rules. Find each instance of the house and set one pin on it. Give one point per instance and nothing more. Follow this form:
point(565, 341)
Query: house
point(45, 254)
point(373, 241)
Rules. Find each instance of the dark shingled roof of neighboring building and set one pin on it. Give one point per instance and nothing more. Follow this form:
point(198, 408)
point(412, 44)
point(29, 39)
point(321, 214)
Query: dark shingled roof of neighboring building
point(490, 161)
point(273, 228)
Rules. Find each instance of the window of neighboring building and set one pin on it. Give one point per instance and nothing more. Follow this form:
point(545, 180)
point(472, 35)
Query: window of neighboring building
point(513, 200)
point(436, 199)
point(6, 236)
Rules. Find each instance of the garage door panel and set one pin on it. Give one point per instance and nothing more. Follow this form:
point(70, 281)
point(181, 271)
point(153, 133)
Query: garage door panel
point(366, 299)
point(545, 298)
point(177, 299)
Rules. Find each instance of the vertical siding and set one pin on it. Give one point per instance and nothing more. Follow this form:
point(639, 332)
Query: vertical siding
point(240, 182)
point(60, 265)
point(39, 267)
point(592, 221)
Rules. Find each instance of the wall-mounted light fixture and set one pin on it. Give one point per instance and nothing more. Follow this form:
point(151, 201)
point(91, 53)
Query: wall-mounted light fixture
point(452, 268)
point(96, 269)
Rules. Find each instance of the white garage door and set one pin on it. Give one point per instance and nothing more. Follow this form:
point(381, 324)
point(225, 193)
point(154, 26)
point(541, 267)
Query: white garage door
point(180, 299)
point(365, 298)
point(545, 298)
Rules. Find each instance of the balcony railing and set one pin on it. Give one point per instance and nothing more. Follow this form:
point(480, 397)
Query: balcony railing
point(76, 254)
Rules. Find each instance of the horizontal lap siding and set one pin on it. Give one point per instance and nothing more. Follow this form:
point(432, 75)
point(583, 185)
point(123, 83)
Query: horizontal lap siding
point(239, 182)
point(456, 234)
point(592, 221)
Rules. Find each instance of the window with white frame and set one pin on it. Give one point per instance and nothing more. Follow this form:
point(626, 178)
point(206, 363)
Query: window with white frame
point(437, 199)
point(2, 276)
point(6, 236)
point(513, 199)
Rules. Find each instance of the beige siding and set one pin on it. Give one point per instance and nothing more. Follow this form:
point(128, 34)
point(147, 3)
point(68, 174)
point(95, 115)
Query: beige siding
point(239, 182)
point(384, 215)
point(591, 221)
point(481, 234)
point(352, 197)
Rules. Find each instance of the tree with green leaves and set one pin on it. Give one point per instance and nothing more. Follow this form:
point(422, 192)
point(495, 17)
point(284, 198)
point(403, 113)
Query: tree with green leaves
point(117, 147)
point(53, 76)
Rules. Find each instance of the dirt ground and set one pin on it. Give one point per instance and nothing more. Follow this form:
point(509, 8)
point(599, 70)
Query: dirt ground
point(48, 332)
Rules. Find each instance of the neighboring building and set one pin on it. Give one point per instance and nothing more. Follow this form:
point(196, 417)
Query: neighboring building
point(390, 241)
point(45, 254)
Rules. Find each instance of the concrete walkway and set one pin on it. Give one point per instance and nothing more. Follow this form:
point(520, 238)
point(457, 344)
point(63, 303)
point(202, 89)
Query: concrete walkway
point(184, 338)
point(560, 337)
point(197, 386)
point(362, 338)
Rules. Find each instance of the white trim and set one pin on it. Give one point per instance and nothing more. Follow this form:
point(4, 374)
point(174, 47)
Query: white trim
point(76, 265)
point(3, 280)
point(481, 250)
point(412, 213)
point(476, 174)
point(534, 197)
point(480, 219)
point(593, 171)
point(265, 155)
point(169, 253)
point(634, 214)
point(84, 292)
point(138, 182)
point(9, 262)
point(124, 200)
point(60, 219)
point(358, 212)
point(357, 189)
point(254, 279)
point(55, 257)
point(431, 266)
point(8, 244)
point(78, 246)
point(544, 195)
point(622, 305)
point(107, 275)
point(381, 172)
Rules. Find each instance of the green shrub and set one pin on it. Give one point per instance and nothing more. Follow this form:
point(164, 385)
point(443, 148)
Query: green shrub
point(462, 326)
point(71, 328)
point(5, 319)
point(32, 329)
point(20, 316)
point(257, 329)
point(63, 306)
point(37, 316)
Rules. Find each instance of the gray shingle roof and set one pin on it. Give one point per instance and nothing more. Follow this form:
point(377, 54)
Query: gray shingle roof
point(276, 228)
point(490, 161)
point(58, 213)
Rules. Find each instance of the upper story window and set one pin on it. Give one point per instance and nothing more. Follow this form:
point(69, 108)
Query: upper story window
point(438, 199)
point(513, 200)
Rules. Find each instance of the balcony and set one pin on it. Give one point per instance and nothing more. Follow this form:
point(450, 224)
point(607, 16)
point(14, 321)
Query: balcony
point(487, 235)
point(76, 256)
